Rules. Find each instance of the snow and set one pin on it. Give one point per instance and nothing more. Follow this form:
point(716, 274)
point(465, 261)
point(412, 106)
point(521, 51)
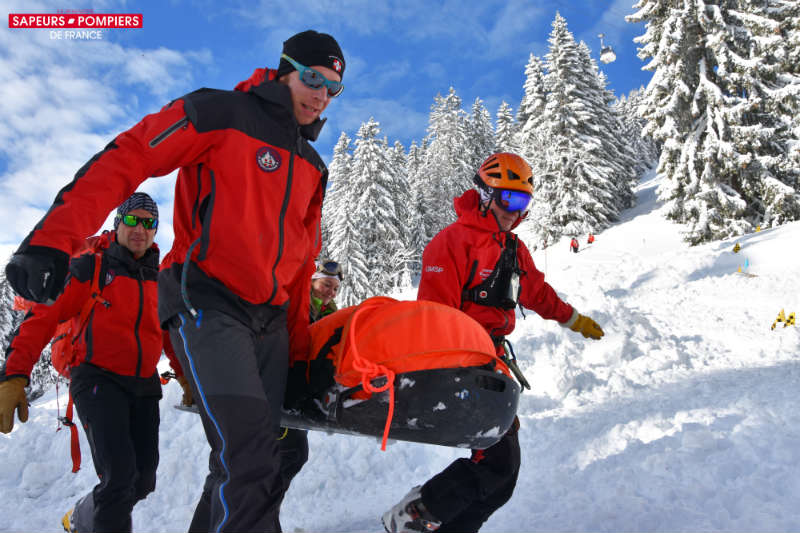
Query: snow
point(684, 417)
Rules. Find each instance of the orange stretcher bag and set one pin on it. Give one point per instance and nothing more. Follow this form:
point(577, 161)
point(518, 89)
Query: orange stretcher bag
point(428, 371)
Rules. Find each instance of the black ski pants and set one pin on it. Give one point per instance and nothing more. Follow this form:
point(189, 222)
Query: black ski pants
point(239, 377)
point(293, 446)
point(122, 430)
point(466, 493)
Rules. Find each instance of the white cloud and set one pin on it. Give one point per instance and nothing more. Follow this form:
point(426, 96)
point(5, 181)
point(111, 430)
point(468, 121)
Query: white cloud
point(63, 101)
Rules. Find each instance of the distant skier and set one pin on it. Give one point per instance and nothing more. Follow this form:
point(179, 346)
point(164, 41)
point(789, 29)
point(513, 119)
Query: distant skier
point(479, 265)
point(590, 239)
point(573, 245)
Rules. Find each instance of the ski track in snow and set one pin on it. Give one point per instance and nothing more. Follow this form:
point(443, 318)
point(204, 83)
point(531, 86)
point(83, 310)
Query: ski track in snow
point(684, 417)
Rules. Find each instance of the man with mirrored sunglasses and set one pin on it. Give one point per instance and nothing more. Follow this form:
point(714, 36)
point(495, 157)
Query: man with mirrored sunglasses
point(478, 265)
point(234, 289)
point(113, 377)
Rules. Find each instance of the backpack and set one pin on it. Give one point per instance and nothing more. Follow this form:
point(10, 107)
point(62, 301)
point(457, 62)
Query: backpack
point(67, 333)
point(62, 346)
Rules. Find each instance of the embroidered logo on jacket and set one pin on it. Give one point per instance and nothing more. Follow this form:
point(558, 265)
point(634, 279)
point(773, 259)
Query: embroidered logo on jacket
point(110, 275)
point(268, 159)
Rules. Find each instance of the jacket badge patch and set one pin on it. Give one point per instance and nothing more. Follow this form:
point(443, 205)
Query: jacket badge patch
point(268, 159)
point(110, 275)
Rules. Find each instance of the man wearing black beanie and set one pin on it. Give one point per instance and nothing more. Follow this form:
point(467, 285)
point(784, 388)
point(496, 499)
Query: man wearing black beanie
point(234, 290)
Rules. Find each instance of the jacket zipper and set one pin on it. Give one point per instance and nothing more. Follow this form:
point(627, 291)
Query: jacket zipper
point(140, 281)
point(196, 206)
point(281, 220)
point(161, 137)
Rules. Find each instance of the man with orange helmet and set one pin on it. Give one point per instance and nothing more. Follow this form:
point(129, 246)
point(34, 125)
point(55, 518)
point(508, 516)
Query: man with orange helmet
point(477, 264)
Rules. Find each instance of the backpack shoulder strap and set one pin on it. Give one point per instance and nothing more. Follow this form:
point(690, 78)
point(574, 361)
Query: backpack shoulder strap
point(94, 296)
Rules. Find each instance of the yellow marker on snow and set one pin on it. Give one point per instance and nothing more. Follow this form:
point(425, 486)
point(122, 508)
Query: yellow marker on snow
point(758, 228)
point(788, 321)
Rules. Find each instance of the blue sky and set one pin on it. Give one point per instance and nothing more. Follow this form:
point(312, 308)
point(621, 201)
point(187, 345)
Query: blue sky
point(62, 100)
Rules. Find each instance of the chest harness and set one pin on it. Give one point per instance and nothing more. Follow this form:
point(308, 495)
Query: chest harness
point(500, 290)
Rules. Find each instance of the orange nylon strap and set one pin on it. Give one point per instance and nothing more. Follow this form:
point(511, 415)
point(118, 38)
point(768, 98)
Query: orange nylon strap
point(370, 371)
point(93, 298)
point(75, 446)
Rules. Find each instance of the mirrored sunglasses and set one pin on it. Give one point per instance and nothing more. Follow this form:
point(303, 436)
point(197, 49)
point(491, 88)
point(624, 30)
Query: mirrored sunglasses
point(511, 200)
point(133, 220)
point(331, 268)
point(315, 80)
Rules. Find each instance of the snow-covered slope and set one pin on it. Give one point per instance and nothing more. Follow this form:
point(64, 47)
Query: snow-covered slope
point(684, 417)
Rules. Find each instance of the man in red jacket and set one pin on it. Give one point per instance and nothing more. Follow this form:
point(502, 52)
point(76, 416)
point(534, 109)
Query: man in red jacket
point(113, 377)
point(234, 289)
point(478, 265)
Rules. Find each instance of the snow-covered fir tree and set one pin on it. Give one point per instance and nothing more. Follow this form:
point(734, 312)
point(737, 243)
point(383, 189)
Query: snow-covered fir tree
point(528, 139)
point(617, 156)
point(43, 375)
point(420, 222)
point(448, 168)
point(333, 208)
point(480, 134)
point(720, 101)
point(761, 62)
point(789, 30)
point(645, 149)
point(402, 257)
point(505, 130)
point(533, 97)
point(574, 184)
point(370, 234)
point(342, 232)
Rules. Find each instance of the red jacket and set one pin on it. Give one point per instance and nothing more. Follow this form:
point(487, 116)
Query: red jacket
point(247, 201)
point(124, 338)
point(473, 239)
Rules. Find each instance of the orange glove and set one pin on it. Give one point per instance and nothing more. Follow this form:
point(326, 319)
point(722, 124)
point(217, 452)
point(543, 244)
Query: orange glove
point(584, 325)
point(12, 396)
point(187, 391)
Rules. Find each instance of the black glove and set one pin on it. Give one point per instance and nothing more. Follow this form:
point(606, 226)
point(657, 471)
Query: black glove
point(38, 274)
point(296, 386)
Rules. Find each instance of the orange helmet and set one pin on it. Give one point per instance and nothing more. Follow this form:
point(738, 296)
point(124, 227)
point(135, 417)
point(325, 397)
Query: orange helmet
point(505, 171)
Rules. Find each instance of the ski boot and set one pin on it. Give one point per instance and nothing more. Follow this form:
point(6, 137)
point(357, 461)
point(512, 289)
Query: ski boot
point(66, 522)
point(410, 516)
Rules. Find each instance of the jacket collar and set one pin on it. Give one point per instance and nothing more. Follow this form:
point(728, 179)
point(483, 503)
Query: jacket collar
point(263, 83)
point(122, 254)
point(468, 212)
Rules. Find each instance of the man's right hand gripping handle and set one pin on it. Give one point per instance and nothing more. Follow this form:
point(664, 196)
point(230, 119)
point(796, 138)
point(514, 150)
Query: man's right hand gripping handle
point(38, 274)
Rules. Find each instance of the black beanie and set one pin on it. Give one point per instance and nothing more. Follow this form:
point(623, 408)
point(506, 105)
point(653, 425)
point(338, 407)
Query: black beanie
point(138, 200)
point(311, 48)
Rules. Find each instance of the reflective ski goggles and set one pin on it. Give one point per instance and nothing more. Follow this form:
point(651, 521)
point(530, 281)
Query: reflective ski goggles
point(314, 79)
point(331, 268)
point(133, 220)
point(511, 200)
